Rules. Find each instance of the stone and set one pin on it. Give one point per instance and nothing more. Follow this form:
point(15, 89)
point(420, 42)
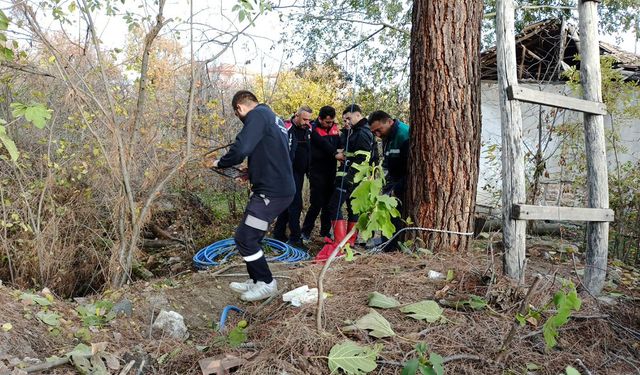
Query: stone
point(171, 324)
point(124, 306)
point(173, 260)
point(614, 275)
point(607, 300)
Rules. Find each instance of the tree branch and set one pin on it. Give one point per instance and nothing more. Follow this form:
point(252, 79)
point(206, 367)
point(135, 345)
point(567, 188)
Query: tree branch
point(25, 68)
point(144, 69)
point(357, 44)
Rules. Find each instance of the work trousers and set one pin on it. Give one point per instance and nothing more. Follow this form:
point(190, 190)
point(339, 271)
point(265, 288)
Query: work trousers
point(341, 194)
point(260, 211)
point(321, 188)
point(291, 215)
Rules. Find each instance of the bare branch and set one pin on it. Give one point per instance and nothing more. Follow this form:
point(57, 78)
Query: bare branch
point(25, 68)
point(144, 69)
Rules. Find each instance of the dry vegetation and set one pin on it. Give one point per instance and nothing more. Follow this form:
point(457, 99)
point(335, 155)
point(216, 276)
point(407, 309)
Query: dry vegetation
point(603, 335)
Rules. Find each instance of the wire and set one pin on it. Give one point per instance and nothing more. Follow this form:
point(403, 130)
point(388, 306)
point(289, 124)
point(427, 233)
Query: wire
point(221, 251)
point(378, 248)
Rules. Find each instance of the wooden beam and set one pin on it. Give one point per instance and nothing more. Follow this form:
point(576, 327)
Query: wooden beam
point(512, 156)
point(523, 94)
point(528, 212)
point(595, 147)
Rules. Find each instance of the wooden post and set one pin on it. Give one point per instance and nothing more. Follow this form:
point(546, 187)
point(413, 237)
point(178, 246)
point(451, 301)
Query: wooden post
point(597, 183)
point(513, 186)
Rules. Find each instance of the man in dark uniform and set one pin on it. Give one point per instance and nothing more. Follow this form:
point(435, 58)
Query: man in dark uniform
point(395, 148)
point(299, 140)
point(263, 139)
point(356, 137)
point(325, 141)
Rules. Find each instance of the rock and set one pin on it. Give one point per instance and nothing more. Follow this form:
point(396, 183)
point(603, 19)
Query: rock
point(607, 300)
point(18, 371)
point(568, 248)
point(177, 268)
point(117, 336)
point(173, 260)
point(172, 324)
point(141, 272)
point(81, 300)
point(158, 301)
point(435, 275)
point(123, 307)
point(614, 274)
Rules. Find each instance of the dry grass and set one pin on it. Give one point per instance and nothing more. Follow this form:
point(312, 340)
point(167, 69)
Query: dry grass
point(284, 339)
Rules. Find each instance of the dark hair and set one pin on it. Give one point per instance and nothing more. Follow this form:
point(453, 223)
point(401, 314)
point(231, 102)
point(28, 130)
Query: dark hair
point(379, 116)
point(243, 97)
point(352, 108)
point(327, 111)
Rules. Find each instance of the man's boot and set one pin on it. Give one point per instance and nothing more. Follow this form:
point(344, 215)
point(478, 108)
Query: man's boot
point(352, 239)
point(339, 231)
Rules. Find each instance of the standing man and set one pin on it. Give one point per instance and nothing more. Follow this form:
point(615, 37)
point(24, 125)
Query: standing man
point(395, 146)
point(356, 137)
point(299, 140)
point(263, 139)
point(325, 141)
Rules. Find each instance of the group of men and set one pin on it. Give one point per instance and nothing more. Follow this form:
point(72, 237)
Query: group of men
point(281, 153)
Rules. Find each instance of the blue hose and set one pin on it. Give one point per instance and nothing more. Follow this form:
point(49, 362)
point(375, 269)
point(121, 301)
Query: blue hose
point(225, 312)
point(220, 252)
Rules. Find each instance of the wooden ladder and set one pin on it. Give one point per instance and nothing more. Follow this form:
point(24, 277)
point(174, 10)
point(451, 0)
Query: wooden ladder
point(514, 212)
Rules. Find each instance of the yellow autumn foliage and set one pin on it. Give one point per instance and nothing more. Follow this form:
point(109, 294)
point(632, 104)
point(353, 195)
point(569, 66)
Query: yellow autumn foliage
point(288, 90)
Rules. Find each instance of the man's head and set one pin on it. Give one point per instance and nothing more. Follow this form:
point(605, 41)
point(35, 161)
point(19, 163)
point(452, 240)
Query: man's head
point(380, 123)
point(326, 117)
point(303, 116)
point(352, 115)
point(243, 101)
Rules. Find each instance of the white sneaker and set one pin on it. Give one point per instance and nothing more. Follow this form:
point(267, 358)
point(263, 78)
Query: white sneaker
point(241, 287)
point(260, 291)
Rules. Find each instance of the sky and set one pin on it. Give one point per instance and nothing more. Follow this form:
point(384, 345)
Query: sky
point(258, 52)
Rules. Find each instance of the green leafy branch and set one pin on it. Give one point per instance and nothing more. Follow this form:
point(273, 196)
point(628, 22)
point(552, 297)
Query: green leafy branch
point(235, 338)
point(6, 53)
point(37, 114)
point(427, 363)
point(248, 8)
point(566, 301)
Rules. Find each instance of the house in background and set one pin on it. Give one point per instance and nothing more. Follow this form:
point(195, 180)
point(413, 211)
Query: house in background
point(544, 51)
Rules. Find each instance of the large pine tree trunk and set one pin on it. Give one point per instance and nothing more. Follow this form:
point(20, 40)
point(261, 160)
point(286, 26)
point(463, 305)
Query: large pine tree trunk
point(445, 119)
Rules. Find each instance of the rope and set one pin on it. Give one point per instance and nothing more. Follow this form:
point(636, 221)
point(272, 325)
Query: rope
point(221, 251)
point(378, 248)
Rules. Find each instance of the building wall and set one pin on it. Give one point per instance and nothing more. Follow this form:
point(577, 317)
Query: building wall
point(558, 187)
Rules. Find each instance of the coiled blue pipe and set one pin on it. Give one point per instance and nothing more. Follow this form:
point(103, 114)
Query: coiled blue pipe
point(220, 252)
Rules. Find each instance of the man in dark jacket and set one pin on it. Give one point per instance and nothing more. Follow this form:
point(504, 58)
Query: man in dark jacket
point(356, 137)
point(299, 139)
point(395, 146)
point(325, 141)
point(263, 140)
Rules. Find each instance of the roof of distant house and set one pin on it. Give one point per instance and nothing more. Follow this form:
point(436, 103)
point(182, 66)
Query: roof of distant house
point(544, 50)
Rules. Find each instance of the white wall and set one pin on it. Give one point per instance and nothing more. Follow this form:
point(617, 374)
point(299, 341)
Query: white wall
point(490, 171)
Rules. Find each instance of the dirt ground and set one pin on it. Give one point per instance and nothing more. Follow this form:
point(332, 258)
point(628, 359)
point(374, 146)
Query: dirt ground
point(602, 338)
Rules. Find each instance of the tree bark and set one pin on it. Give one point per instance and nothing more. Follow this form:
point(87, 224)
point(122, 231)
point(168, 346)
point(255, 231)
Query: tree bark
point(445, 119)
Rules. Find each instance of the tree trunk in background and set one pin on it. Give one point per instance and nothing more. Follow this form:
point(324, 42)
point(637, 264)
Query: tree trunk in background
point(445, 119)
